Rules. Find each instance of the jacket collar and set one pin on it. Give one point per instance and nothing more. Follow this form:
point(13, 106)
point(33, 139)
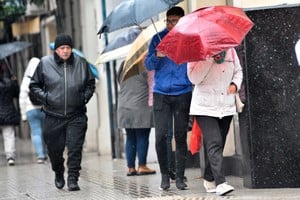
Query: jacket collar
point(58, 59)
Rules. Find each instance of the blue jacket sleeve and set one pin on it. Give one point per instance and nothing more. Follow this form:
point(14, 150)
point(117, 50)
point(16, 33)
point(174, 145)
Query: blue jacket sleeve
point(152, 61)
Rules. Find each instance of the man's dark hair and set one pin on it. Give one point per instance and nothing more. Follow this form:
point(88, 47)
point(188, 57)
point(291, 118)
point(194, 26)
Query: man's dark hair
point(176, 10)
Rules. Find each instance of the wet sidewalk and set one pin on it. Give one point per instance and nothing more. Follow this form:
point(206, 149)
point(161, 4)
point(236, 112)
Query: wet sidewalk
point(104, 178)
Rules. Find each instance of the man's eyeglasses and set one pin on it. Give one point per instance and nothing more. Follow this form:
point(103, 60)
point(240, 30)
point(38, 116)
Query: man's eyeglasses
point(171, 21)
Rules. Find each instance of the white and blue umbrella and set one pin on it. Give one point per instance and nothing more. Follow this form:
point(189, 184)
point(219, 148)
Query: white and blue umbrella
point(134, 12)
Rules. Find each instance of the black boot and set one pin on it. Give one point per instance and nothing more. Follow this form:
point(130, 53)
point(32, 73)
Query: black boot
point(165, 182)
point(180, 184)
point(59, 180)
point(72, 183)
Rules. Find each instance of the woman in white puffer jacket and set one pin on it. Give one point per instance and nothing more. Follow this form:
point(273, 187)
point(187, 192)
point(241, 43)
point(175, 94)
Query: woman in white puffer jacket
point(32, 113)
point(216, 81)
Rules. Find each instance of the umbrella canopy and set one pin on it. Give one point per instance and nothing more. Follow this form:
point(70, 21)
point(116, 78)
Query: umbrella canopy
point(119, 46)
point(134, 12)
point(8, 49)
point(139, 49)
point(205, 32)
point(80, 54)
point(125, 38)
point(116, 54)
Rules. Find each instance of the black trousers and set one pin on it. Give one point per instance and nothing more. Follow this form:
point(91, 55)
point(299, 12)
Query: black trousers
point(214, 132)
point(60, 133)
point(165, 106)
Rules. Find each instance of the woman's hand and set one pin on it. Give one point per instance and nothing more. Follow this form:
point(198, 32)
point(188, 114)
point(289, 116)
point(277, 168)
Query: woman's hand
point(232, 89)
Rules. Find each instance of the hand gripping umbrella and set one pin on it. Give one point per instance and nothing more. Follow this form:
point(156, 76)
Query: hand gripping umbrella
point(134, 12)
point(205, 32)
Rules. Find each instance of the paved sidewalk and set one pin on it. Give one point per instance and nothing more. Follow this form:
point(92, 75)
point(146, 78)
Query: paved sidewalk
point(104, 178)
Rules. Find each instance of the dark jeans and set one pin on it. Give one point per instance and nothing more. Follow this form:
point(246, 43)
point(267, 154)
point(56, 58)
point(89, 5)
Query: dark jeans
point(69, 132)
point(171, 159)
point(177, 106)
point(214, 132)
point(137, 142)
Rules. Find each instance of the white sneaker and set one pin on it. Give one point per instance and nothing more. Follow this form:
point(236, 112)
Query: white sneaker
point(223, 189)
point(40, 161)
point(11, 161)
point(209, 186)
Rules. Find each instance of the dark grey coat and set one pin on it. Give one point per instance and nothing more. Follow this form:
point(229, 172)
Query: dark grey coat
point(133, 110)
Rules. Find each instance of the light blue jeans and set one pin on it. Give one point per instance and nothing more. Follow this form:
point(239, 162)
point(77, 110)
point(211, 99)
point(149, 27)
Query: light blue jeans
point(35, 119)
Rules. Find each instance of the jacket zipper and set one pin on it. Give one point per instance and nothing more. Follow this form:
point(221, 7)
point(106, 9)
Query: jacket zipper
point(65, 74)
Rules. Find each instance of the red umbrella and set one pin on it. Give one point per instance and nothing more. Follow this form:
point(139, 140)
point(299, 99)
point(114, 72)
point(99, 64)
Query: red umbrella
point(205, 32)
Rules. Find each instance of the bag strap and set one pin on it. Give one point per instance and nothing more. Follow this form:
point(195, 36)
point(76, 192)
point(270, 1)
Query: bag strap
point(12, 76)
point(232, 55)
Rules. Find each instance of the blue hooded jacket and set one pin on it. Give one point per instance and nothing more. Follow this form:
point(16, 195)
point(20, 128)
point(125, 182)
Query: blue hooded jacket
point(170, 78)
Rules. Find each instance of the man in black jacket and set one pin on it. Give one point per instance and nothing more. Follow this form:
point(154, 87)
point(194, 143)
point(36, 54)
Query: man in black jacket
point(64, 84)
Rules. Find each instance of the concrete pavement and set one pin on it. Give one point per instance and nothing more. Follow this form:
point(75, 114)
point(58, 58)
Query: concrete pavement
point(104, 178)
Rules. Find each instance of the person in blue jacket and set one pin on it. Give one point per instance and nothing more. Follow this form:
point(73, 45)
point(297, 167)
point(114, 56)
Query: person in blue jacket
point(172, 93)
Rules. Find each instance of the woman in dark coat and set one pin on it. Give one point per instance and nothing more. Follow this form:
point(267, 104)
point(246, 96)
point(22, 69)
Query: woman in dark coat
point(9, 115)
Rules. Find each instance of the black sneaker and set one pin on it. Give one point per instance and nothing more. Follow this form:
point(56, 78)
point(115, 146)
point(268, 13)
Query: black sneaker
point(72, 183)
point(59, 180)
point(165, 182)
point(180, 184)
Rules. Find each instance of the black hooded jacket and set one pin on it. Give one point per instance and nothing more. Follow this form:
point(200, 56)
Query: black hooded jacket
point(9, 89)
point(64, 88)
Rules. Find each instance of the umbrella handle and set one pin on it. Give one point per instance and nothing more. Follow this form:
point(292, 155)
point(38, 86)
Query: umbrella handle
point(155, 29)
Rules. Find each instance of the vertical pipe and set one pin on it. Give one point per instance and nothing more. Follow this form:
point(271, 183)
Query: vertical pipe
point(109, 88)
point(58, 17)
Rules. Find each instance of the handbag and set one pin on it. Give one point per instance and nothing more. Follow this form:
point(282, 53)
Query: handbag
point(239, 104)
point(196, 137)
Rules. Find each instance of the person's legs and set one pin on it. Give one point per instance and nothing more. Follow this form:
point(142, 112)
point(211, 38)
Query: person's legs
point(208, 183)
point(142, 143)
point(161, 109)
point(224, 125)
point(130, 148)
point(214, 143)
point(181, 106)
point(171, 159)
point(54, 134)
point(75, 137)
point(208, 175)
point(9, 143)
point(35, 117)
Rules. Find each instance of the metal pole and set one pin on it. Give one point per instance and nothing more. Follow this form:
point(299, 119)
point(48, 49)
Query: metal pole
point(109, 88)
point(58, 16)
